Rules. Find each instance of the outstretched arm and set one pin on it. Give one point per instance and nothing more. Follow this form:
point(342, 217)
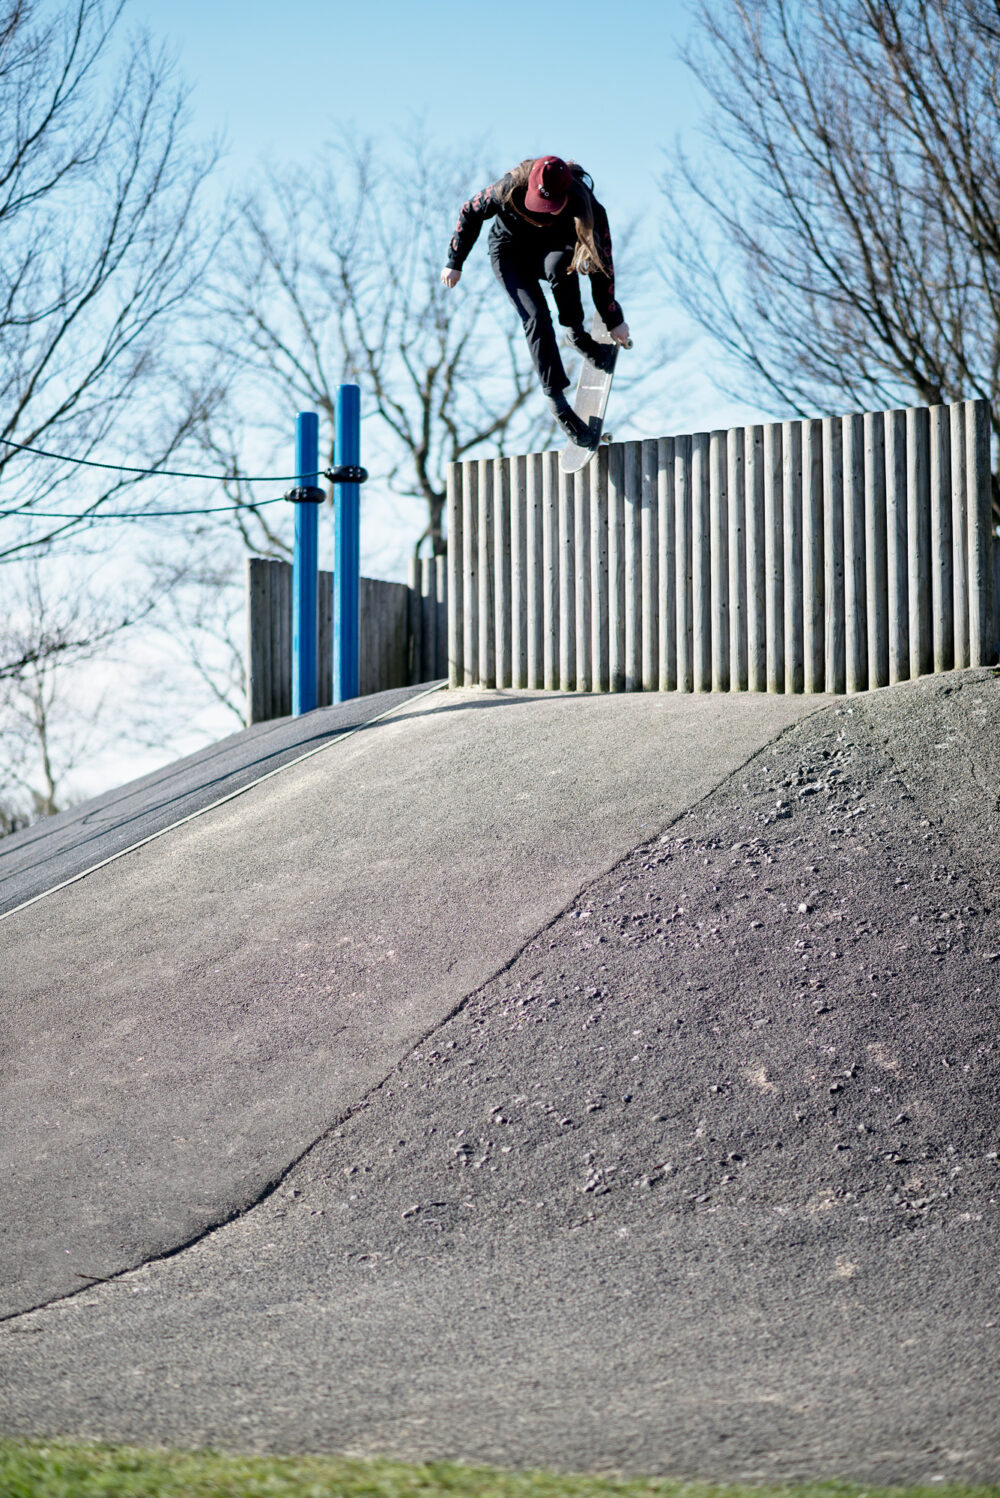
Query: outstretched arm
point(470, 220)
point(602, 282)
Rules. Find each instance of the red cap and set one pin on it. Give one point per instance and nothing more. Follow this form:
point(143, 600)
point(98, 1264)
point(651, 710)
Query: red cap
point(548, 185)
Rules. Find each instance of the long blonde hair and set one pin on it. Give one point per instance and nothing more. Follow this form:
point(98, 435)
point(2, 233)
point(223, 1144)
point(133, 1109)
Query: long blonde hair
point(586, 256)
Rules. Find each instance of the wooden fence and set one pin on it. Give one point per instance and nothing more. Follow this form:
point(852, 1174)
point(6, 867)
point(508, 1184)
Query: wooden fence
point(800, 556)
point(403, 633)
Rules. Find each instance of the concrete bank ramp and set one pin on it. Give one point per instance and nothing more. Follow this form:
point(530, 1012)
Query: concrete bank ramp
point(703, 1183)
point(181, 1023)
point(65, 846)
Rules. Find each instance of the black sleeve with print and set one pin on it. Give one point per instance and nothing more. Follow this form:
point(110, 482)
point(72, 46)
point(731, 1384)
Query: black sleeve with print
point(470, 220)
point(602, 282)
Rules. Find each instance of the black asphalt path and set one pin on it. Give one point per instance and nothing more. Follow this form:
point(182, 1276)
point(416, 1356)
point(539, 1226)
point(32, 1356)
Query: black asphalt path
point(51, 852)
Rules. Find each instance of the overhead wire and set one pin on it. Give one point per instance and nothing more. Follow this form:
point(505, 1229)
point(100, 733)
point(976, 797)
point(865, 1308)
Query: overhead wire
point(166, 473)
point(137, 514)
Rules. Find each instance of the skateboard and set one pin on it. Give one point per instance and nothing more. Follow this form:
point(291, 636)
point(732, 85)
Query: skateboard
point(591, 400)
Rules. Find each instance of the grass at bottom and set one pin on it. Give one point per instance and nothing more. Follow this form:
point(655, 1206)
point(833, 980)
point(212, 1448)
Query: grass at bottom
point(63, 1469)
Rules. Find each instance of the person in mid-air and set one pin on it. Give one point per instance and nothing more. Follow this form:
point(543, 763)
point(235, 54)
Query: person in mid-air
point(547, 224)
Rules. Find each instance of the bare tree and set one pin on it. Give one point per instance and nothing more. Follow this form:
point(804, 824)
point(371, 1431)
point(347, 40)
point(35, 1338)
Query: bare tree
point(842, 238)
point(335, 276)
point(103, 245)
point(50, 720)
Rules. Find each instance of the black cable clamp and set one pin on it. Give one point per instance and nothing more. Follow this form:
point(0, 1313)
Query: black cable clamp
point(347, 473)
point(306, 494)
point(309, 494)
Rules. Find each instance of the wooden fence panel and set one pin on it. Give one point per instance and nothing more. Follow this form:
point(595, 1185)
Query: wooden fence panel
point(815, 555)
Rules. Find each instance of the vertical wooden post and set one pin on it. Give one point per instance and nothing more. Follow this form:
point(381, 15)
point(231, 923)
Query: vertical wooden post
point(456, 622)
point(325, 605)
point(616, 567)
point(981, 543)
point(855, 611)
point(650, 590)
point(736, 504)
point(684, 590)
point(895, 527)
point(774, 557)
point(666, 566)
point(487, 633)
point(441, 583)
point(633, 566)
point(271, 639)
point(518, 573)
point(599, 580)
point(535, 570)
point(415, 623)
point(550, 570)
point(876, 550)
point(942, 586)
point(701, 561)
point(833, 554)
point(429, 617)
point(567, 583)
point(718, 523)
point(791, 504)
point(470, 571)
point(959, 533)
point(753, 489)
point(501, 570)
point(257, 656)
point(812, 557)
point(282, 607)
point(918, 527)
point(581, 531)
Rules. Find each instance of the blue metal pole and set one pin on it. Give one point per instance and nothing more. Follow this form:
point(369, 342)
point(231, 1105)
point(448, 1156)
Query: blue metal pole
point(305, 571)
point(347, 551)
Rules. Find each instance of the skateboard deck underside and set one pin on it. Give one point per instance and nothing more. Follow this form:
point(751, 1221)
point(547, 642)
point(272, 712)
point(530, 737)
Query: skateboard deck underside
point(590, 401)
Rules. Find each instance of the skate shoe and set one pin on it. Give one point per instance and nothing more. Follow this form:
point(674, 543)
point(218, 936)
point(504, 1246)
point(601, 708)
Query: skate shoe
point(601, 355)
point(576, 430)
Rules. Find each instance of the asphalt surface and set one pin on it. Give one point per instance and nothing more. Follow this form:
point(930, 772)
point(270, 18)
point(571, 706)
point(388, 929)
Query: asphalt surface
point(704, 1181)
point(181, 1023)
point(63, 847)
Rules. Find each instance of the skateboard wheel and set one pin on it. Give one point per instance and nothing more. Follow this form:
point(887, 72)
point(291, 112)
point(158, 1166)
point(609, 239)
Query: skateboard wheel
point(607, 437)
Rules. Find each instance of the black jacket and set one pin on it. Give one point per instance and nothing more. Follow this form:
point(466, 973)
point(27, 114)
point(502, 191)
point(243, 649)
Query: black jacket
point(513, 228)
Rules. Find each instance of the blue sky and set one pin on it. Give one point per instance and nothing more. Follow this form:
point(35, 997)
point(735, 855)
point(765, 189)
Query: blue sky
point(598, 82)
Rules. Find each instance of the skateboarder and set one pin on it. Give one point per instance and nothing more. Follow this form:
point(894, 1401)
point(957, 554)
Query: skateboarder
point(547, 224)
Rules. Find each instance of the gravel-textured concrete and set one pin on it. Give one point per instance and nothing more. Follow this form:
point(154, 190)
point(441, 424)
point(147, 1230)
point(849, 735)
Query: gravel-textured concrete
point(181, 1023)
point(63, 847)
point(704, 1182)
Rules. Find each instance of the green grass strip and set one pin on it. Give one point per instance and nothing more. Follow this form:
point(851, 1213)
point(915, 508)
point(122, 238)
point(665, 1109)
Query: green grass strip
point(61, 1469)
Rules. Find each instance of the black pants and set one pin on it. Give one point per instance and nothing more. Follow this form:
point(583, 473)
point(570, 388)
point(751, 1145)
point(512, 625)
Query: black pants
point(521, 277)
